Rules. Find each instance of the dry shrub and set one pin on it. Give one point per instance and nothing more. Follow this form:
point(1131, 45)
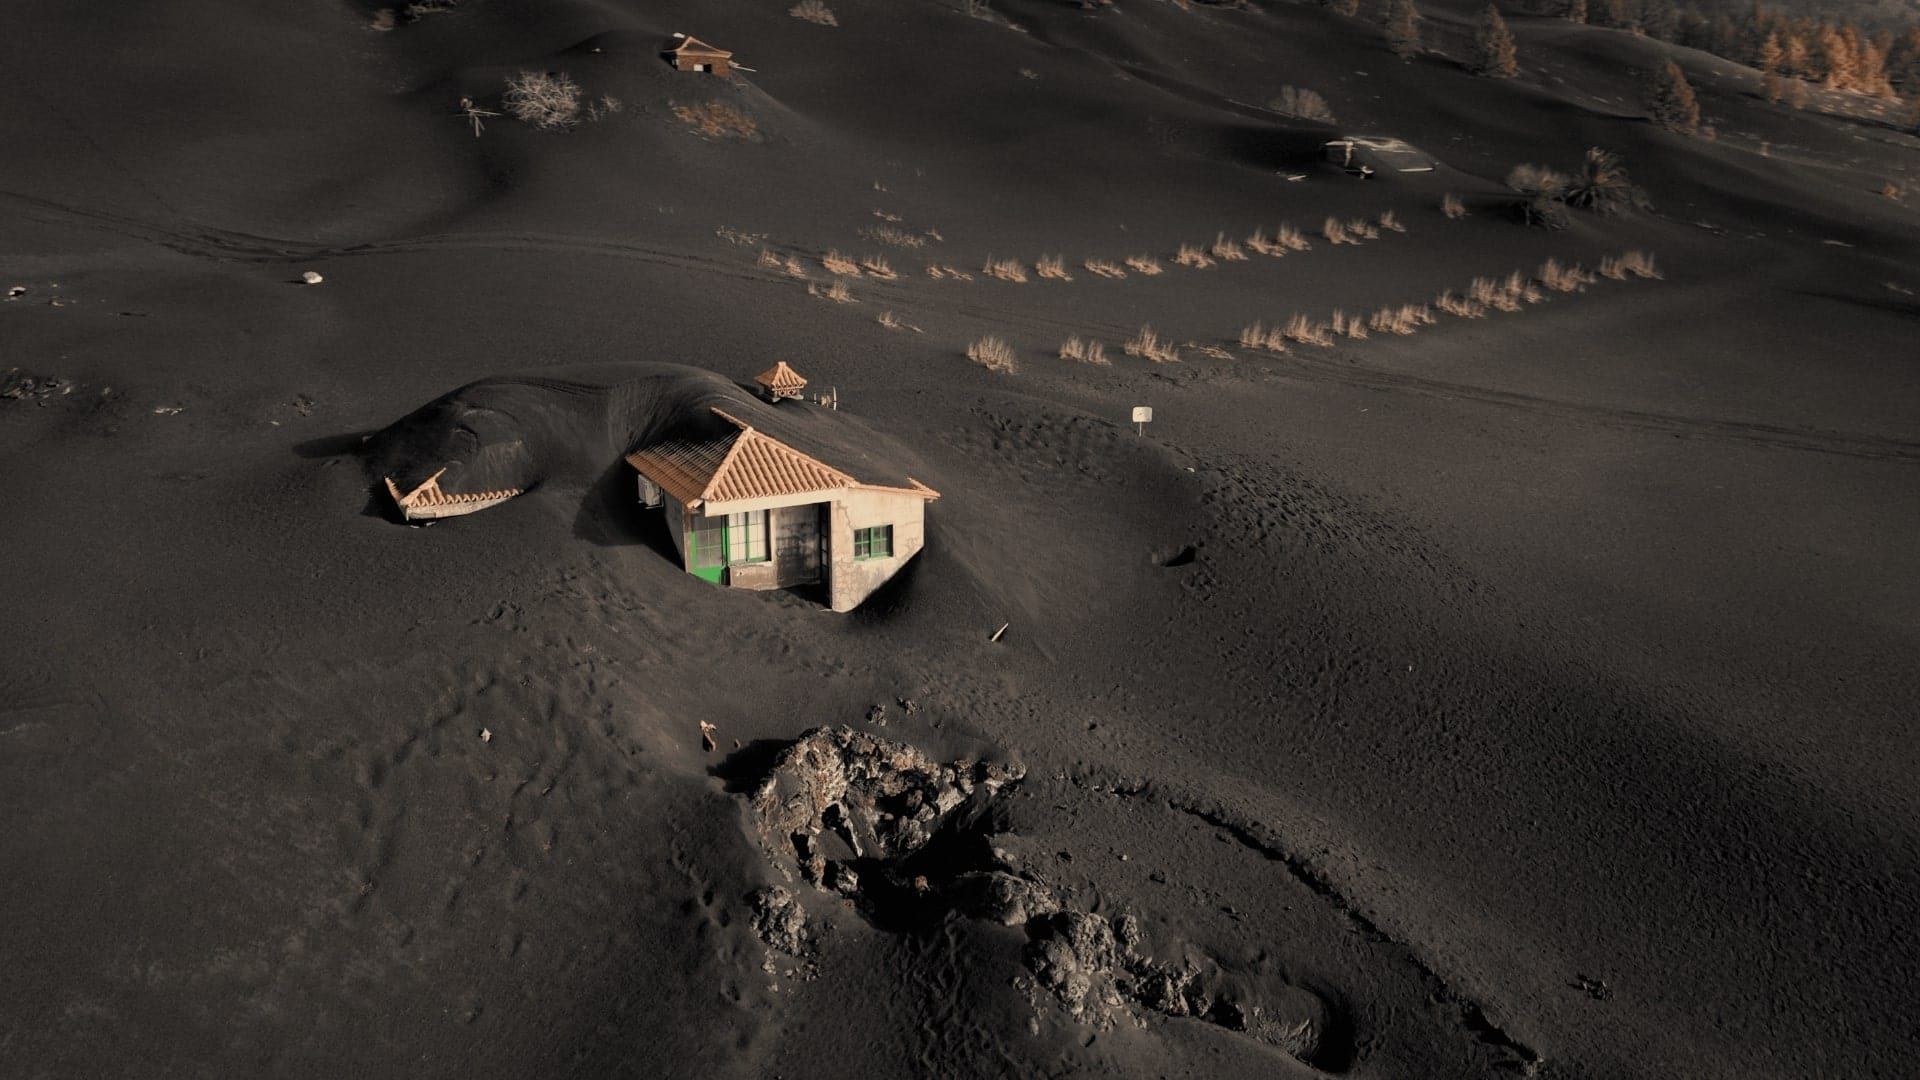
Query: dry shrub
point(1053, 267)
point(1188, 255)
point(1452, 206)
point(1258, 336)
point(1390, 221)
point(383, 20)
point(1145, 265)
point(894, 235)
point(1336, 232)
point(1005, 269)
point(992, 353)
point(1261, 244)
point(894, 322)
point(1302, 104)
point(605, 107)
point(1307, 332)
point(1147, 345)
point(1459, 306)
point(1224, 248)
point(813, 11)
point(1362, 229)
point(840, 264)
point(1085, 350)
point(1104, 268)
point(1489, 293)
point(1291, 238)
point(1564, 279)
point(770, 260)
point(548, 100)
point(1354, 327)
point(795, 268)
point(836, 292)
point(717, 119)
point(1521, 287)
point(877, 266)
point(1403, 320)
point(1629, 264)
point(939, 271)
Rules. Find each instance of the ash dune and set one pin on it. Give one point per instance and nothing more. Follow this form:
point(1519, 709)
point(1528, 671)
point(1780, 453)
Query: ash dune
point(1490, 660)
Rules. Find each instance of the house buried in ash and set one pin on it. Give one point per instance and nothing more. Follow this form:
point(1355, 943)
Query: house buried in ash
point(783, 508)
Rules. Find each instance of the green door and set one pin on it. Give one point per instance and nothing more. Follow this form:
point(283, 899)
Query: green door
point(707, 546)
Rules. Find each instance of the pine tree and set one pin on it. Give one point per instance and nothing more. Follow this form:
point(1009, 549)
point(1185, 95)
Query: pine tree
point(1493, 51)
point(1575, 11)
point(1836, 60)
point(1795, 61)
point(1771, 54)
point(1671, 102)
point(1403, 29)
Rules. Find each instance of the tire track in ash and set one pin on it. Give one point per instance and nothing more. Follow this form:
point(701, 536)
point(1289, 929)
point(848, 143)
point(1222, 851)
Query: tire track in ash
point(1848, 444)
point(1511, 1051)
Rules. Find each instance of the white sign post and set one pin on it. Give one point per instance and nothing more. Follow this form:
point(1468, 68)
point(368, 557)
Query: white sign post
point(1142, 416)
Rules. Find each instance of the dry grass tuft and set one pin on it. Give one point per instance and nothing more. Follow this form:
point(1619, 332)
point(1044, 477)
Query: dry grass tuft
point(1301, 329)
point(1563, 279)
point(1005, 269)
point(894, 235)
point(836, 292)
point(1257, 336)
point(1144, 265)
point(770, 259)
point(1085, 350)
point(1291, 238)
point(1147, 345)
point(1189, 255)
point(717, 119)
point(1452, 207)
point(1104, 268)
point(992, 353)
point(1336, 232)
point(940, 271)
point(1261, 244)
point(1459, 306)
point(1353, 327)
point(894, 322)
point(795, 268)
point(1403, 320)
point(1053, 267)
point(1629, 264)
point(548, 100)
point(813, 11)
point(876, 265)
point(1390, 221)
point(840, 264)
point(1224, 248)
point(1488, 293)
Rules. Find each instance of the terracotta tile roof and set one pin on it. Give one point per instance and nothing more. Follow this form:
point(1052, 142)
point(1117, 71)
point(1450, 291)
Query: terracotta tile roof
point(693, 46)
point(781, 379)
point(429, 501)
point(743, 465)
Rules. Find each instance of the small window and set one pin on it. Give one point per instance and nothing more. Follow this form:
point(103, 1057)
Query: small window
point(873, 543)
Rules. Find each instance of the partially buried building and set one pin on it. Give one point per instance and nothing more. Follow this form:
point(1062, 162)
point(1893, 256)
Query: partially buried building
point(792, 502)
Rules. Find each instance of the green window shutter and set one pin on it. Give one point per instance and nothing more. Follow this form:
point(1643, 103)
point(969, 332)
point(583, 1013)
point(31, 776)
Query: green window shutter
point(873, 543)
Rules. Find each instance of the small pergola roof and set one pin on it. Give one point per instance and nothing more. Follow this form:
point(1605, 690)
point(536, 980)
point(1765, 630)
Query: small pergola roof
point(693, 46)
point(782, 379)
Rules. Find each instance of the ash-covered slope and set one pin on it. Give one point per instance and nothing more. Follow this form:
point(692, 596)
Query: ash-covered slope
point(1528, 692)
